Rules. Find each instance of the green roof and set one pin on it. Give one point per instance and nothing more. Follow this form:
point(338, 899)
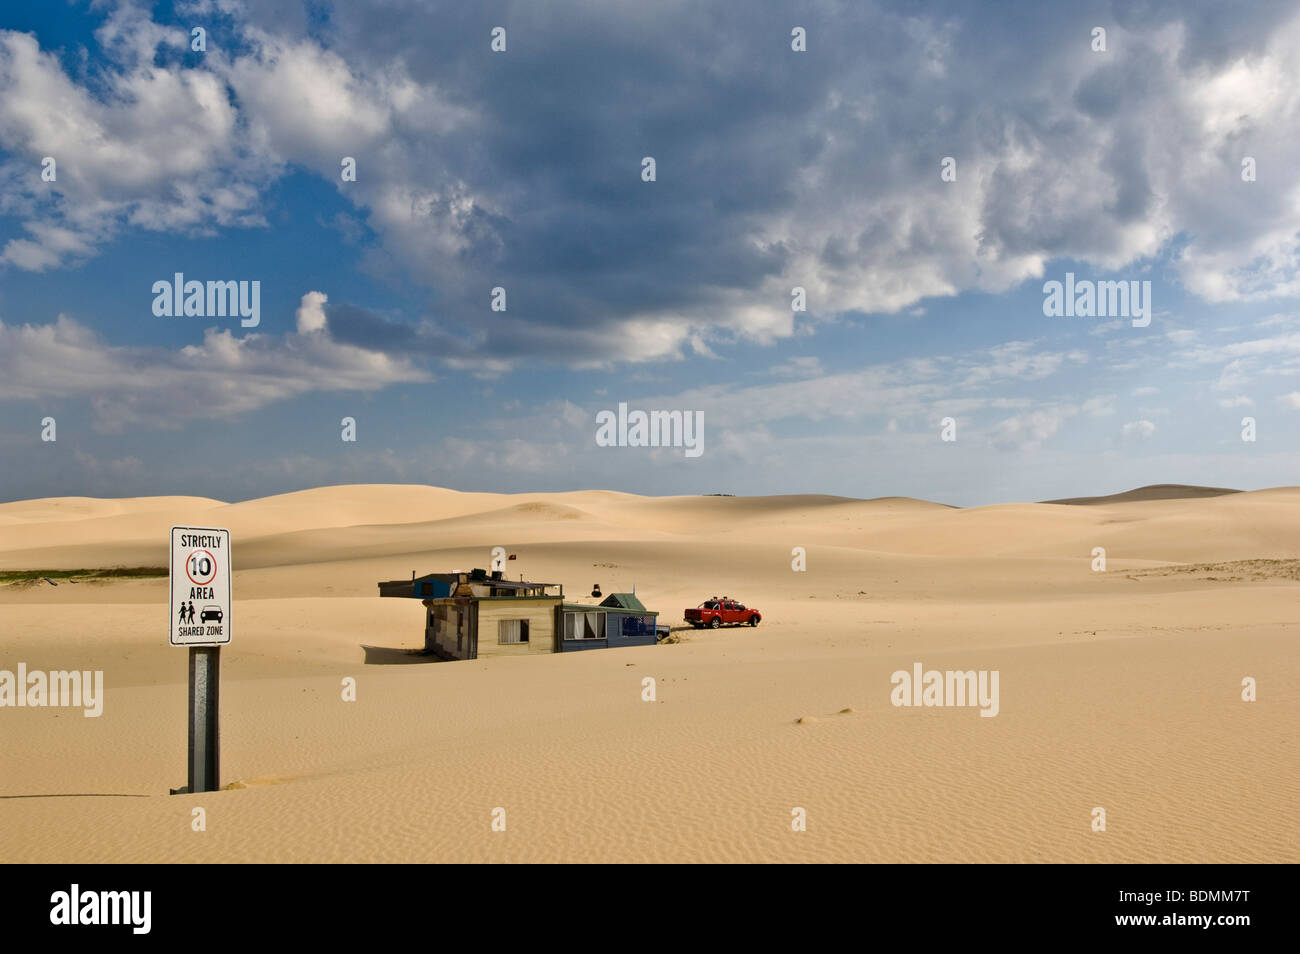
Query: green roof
point(625, 601)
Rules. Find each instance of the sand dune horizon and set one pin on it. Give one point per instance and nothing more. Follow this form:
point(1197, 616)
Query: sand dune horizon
point(78, 507)
point(91, 519)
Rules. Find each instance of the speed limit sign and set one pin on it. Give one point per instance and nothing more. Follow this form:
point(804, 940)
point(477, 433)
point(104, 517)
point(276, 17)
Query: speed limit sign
point(200, 587)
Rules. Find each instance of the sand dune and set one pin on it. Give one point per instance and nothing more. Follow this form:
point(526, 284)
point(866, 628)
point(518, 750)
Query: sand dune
point(1119, 689)
point(1150, 492)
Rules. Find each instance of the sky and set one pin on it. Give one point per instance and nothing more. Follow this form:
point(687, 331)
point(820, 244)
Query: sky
point(921, 172)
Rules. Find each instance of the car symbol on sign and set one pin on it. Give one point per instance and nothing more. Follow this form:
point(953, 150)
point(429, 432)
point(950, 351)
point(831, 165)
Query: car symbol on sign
point(210, 612)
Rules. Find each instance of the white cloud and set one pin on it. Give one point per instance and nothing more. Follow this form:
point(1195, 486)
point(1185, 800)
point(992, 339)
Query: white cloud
point(1233, 377)
point(1137, 430)
point(1018, 359)
point(1100, 406)
point(908, 388)
point(155, 147)
point(1028, 431)
point(804, 366)
point(311, 313)
point(222, 376)
point(1287, 344)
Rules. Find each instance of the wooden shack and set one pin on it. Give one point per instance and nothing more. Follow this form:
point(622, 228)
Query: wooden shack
point(477, 614)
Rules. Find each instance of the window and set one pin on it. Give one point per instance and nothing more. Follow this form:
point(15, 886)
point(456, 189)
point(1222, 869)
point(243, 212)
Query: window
point(638, 626)
point(584, 625)
point(511, 631)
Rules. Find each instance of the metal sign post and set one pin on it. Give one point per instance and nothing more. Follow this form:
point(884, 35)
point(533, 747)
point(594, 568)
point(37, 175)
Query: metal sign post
point(205, 742)
point(200, 619)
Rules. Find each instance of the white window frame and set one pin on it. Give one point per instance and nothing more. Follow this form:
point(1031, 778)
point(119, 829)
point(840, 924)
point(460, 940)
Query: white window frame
point(523, 635)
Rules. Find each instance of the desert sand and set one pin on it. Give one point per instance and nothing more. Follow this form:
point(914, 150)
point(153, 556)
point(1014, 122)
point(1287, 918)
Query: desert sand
point(1118, 689)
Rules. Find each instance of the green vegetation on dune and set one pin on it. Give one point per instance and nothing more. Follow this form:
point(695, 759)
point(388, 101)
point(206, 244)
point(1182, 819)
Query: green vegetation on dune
point(99, 573)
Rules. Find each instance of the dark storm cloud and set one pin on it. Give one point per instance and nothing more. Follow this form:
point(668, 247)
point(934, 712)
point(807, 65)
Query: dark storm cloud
point(564, 118)
point(774, 168)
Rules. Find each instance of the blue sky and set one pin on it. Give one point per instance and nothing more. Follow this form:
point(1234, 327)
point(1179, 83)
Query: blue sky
point(523, 169)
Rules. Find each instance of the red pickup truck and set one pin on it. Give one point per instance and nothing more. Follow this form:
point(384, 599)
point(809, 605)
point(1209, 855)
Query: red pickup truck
point(722, 612)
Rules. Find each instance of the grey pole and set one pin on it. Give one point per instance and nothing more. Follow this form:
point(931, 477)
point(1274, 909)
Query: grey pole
point(205, 692)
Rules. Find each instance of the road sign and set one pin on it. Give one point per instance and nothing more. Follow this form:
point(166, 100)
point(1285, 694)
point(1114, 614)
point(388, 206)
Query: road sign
point(200, 619)
point(200, 587)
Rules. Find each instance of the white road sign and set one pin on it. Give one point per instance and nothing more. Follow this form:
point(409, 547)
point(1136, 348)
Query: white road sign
point(200, 585)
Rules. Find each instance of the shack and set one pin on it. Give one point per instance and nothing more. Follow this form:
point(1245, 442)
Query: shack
point(476, 614)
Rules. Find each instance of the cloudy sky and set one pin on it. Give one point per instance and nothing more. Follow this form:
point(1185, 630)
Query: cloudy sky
point(1167, 157)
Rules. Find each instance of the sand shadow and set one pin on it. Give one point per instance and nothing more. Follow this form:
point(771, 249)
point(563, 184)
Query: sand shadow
point(389, 656)
point(79, 795)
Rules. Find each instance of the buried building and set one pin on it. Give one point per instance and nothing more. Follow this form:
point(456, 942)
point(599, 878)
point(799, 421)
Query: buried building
point(475, 614)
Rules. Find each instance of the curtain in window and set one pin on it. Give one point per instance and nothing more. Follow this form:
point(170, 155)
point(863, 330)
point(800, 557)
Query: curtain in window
point(584, 625)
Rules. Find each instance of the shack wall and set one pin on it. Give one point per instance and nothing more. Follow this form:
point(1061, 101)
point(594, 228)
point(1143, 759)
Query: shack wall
point(540, 614)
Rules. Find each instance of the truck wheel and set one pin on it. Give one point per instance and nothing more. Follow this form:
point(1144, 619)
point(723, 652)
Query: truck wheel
point(715, 622)
point(753, 621)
